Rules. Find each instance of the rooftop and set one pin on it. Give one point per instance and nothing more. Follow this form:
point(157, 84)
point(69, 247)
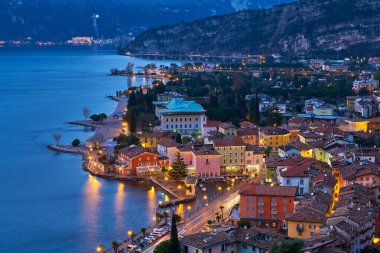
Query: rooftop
point(180, 105)
point(255, 189)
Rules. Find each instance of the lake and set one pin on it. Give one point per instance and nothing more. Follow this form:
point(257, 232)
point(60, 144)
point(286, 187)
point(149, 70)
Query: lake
point(48, 203)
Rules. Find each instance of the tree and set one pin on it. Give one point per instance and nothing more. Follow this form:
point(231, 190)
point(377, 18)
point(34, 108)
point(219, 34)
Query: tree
point(209, 222)
point(75, 142)
point(143, 231)
point(178, 138)
point(221, 211)
point(287, 246)
point(132, 119)
point(115, 246)
point(179, 168)
point(162, 247)
point(132, 235)
point(174, 246)
point(244, 223)
point(132, 100)
point(86, 113)
point(218, 216)
point(166, 216)
point(129, 67)
point(267, 152)
point(363, 92)
point(57, 137)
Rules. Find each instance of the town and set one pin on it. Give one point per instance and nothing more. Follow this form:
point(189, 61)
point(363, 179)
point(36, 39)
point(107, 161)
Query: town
point(294, 144)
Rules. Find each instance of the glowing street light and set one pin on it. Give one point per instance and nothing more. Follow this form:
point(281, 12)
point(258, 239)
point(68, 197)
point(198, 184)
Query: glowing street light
point(100, 248)
point(219, 188)
point(205, 197)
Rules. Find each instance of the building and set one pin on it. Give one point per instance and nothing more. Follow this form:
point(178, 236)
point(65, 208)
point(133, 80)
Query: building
point(266, 204)
point(248, 135)
point(150, 140)
point(296, 148)
point(304, 222)
point(254, 159)
point(178, 115)
point(210, 126)
point(368, 84)
point(232, 151)
point(129, 158)
point(273, 138)
point(81, 41)
point(335, 66)
point(323, 110)
point(228, 129)
point(350, 103)
point(235, 240)
point(168, 148)
point(297, 176)
point(374, 61)
point(206, 161)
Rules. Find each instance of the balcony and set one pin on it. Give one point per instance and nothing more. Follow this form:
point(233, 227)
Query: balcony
point(273, 203)
point(273, 212)
point(261, 211)
point(261, 203)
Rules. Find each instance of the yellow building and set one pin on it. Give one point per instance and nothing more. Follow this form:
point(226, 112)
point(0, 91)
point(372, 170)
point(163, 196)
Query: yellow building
point(149, 140)
point(274, 138)
point(232, 152)
point(228, 129)
point(304, 222)
point(355, 125)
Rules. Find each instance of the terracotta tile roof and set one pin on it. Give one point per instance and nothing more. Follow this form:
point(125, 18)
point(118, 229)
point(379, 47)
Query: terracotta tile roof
point(206, 240)
point(246, 124)
point(324, 179)
point(300, 168)
point(150, 135)
point(133, 151)
point(266, 190)
point(229, 142)
point(295, 145)
point(211, 123)
point(356, 169)
point(247, 131)
point(274, 131)
point(226, 125)
point(306, 215)
point(309, 134)
point(290, 161)
point(168, 143)
point(256, 149)
point(204, 150)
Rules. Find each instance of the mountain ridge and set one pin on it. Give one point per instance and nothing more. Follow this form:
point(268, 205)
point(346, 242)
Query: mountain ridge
point(303, 27)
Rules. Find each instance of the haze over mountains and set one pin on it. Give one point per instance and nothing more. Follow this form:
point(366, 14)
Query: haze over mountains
point(62, 19)
point(305, 26)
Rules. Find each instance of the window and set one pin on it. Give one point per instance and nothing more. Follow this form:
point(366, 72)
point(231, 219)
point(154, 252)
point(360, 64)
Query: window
point(285, 201)
point(301, 181)
point(253, 208)
point(301, 190)
point(285, 209)
point(287, 181)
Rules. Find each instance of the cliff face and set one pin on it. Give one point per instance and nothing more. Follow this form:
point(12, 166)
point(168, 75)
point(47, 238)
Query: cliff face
point(306, 26)
point(61, 19)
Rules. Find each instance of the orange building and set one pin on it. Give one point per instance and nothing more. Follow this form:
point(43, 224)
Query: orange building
point(266, 204)
point(248, 135)
point(130, 158)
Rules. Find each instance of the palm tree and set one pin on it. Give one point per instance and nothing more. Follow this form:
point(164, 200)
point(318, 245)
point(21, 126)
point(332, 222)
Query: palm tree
point(166, 216)
point(218, 216)
point(57, 137)
point(221, 209)
point(143, 231)
point(86, 113)
point(132, 235)
point(115, 246)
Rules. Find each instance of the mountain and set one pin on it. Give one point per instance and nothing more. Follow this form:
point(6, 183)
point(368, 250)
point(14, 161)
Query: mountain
point(306, 26)
point(62, 19)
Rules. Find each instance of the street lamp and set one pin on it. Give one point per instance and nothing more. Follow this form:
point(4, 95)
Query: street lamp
point(100, 248)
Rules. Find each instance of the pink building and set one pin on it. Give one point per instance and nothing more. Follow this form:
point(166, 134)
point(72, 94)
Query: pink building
point(206, 161)
point(201, 160)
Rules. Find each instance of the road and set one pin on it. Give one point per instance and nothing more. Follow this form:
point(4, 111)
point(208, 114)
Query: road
point(195, 222)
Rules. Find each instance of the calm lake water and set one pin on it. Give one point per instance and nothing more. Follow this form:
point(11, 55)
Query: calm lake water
point(47, 202)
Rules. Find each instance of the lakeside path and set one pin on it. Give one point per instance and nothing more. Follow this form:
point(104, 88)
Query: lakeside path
point(112, 126)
